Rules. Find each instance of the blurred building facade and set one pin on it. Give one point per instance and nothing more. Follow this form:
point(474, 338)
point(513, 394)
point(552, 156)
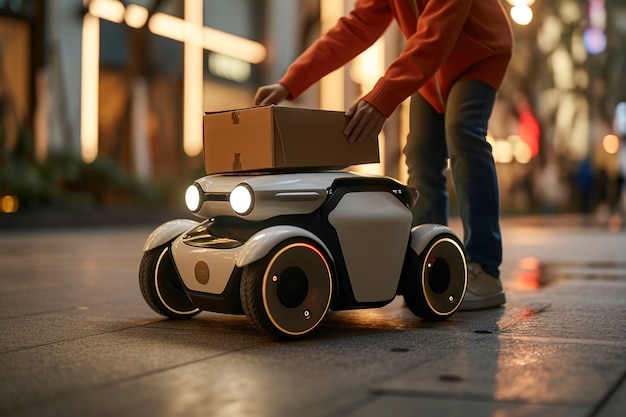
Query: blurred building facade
point(130, 80)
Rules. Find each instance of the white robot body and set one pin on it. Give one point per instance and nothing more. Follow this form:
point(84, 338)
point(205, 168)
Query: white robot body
point(284, 248)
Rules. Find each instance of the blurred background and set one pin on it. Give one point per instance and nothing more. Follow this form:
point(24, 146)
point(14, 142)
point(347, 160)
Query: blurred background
point(101, 101)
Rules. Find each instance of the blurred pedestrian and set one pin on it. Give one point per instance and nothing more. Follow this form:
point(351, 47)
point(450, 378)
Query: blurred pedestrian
point(620, 128)
point(584, 183)
point(455, 57)
point(552, 186)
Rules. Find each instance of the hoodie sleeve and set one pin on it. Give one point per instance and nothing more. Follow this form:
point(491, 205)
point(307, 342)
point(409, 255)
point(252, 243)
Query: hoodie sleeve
point(438, 27)
point(349, 37)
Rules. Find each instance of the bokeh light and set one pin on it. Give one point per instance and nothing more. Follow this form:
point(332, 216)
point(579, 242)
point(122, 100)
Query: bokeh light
point(9, 204)
point(610, 144)
point(522, 15)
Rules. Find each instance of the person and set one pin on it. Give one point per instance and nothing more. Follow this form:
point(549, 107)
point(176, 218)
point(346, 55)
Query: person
point(454, 60)
point(620, 127)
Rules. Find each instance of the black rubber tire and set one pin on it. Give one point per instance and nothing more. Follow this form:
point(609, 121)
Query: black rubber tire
point(287, 294)
point(436, 280)
point(161, 287)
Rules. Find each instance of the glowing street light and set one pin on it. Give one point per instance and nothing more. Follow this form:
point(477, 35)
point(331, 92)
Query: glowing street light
point(521, 13)
point(90, 75)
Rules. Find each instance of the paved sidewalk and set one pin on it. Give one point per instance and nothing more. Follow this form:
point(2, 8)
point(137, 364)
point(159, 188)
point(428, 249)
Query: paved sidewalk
point(77, 339)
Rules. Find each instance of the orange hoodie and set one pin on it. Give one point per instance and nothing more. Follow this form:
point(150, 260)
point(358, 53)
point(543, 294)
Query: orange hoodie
point(447, 40)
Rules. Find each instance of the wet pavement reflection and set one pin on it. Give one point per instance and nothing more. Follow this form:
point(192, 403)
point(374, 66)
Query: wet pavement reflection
point(78, 340)
point(532, 274)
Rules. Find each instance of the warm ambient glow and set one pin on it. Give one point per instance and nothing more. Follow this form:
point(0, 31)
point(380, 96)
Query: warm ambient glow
point(111, 10)
point(193, 78)
point(610, 144)
point(521, 2)
point(167, 26)
point(369, 66)
point(175, 28)
point(331, 86)
point(366, 70)
point(136, 16)
point(90, 74)
point(190, 31)
point(229, 68)
point(233, 46)
point(521, 13)
point(9, 204)
point(212, 39)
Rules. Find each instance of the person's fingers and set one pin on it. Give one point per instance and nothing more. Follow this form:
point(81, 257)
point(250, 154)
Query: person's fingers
point(357, 130)
point(260, 95)
point(367, 130)
point(365, 122)
point(375, 122)
point(352, 121)
point(269, 98)
point(270, 94)
point(350, 112)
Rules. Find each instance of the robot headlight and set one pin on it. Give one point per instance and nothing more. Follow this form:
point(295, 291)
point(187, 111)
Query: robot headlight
point(194, 197)
point(242, 199)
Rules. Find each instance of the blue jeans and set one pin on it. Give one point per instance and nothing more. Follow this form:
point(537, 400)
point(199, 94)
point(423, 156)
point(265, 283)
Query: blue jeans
point(460, 134)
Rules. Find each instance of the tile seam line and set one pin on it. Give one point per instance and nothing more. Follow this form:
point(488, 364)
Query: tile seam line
point(40, 313)
point(384, 378)
point(73, 339)
point(351, 408)
point(146, 325)
point(480, 339)
point(607, 396)
point(113, 383)
point(386, 392)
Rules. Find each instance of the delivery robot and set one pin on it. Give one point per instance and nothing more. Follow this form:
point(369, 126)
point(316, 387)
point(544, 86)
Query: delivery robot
point(285, 247)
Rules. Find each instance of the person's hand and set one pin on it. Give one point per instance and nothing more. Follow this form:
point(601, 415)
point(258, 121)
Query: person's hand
point(365, 122)
point(270, 94)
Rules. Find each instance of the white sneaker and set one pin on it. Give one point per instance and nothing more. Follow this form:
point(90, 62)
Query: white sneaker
point(483, 290)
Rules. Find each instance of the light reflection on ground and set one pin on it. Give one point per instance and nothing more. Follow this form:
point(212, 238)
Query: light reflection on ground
point(532, 274)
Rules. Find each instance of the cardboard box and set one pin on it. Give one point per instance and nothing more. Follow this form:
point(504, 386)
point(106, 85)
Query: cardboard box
point(268, 137)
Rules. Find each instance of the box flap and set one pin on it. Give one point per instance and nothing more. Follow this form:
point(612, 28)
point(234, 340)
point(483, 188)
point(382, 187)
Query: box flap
point(315, 138)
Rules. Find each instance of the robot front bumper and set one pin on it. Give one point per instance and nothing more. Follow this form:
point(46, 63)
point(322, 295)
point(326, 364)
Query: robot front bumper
point(210, 266)
point(206, 266)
